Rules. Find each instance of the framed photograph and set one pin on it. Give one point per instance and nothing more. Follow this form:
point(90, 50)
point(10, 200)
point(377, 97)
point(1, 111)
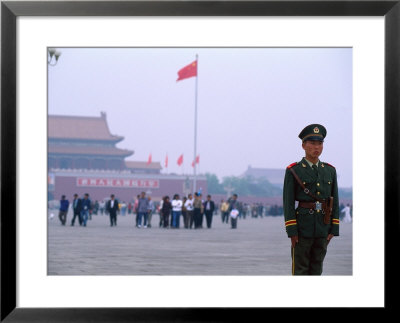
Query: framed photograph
point(366, 30)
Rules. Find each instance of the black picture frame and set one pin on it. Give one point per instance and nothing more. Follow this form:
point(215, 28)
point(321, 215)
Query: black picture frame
point(10, 10)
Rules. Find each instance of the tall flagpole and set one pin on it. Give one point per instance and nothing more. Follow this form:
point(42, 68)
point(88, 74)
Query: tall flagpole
point(195, 125)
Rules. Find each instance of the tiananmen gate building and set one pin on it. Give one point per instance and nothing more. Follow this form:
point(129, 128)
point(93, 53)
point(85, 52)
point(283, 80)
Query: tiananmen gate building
point(83, 158)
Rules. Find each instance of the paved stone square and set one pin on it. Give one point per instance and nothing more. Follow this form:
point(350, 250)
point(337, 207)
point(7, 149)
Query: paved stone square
point(259, 246)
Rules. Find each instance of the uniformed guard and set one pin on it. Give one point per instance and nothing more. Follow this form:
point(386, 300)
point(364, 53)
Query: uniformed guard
point(314, 220)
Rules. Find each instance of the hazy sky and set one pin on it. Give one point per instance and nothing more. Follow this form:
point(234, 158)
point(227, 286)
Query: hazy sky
point(252, 103)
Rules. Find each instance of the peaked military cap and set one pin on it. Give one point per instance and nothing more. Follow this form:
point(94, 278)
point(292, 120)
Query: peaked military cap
point(313, 132)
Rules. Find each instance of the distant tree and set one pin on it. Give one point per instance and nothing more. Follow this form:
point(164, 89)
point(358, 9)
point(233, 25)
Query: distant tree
point(243, 186)
point(346, 193)
point(266, 188)
point(247, 186)
point(239, 185)
point(213, 184)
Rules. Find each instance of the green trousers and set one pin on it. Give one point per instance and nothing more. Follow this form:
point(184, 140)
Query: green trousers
point(308, 256)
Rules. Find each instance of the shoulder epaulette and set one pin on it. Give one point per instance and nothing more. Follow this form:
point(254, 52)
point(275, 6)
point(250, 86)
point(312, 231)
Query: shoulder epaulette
point(291, 165)
point(329, 165)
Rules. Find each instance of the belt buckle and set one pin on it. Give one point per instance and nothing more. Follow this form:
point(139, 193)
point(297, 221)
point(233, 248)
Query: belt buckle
point(318, 206)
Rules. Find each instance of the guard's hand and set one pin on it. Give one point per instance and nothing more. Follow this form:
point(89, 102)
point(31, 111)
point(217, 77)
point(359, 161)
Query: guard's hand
point(330, 236)
point(295, 240)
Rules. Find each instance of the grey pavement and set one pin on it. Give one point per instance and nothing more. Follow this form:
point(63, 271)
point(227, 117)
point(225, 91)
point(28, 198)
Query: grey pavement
point(259, 246)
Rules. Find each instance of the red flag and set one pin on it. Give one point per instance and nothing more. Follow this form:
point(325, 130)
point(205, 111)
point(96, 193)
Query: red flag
point(149, 160)
point(166, 161)
point(180, 160)
point(188, 71)
point(197, 160)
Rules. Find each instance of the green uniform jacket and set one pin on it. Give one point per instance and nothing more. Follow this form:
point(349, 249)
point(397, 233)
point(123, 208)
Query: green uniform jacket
point(299, 221)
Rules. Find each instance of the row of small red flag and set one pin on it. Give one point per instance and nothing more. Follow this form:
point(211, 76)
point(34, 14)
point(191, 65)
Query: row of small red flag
point(179, 161)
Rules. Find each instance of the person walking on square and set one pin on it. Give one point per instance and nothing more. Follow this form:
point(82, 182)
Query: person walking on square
point(62, 214)
point(315, 221)
point(113, 208)
point(102, 206)
point(76, 209)
point(142, 210)
point(96, 207)
point(233, 210)
point(161, 223)
point(135, 209)
point(166, 210)
point(176, 211)
point(130, 206)
point(224, 211)
point(91, 210)
point(86, 205)
point(201, 210)
point(184, 211)
point(209, 207)
point(122, 208)
point(189, 212)
point(346, 211)
point(197, 205)
point(150, 210)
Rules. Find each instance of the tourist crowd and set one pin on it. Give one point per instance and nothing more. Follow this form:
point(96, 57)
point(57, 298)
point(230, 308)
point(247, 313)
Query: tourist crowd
point(190, 211)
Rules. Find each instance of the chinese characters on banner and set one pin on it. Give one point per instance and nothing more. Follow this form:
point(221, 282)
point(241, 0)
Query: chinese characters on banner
point(116, 182)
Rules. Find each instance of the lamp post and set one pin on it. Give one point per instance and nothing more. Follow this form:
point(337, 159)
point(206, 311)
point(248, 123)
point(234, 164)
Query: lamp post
point(186, 187)
point(228, 189)
point(53, 56)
